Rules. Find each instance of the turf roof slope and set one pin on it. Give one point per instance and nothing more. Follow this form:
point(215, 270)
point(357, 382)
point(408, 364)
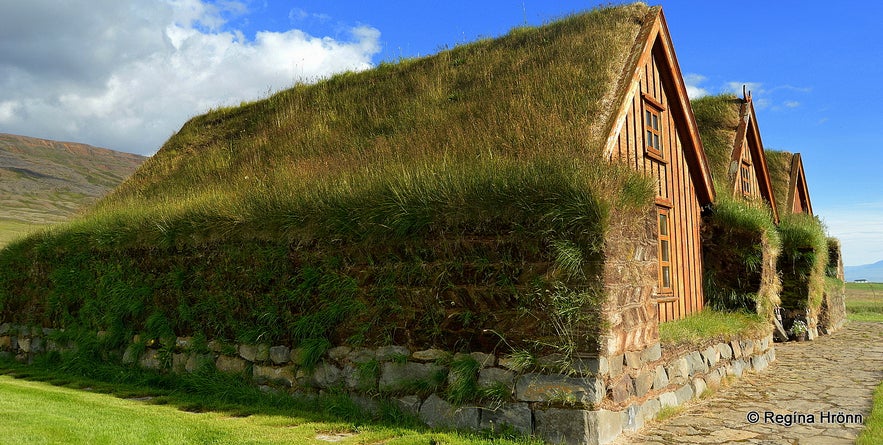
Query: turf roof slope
point(472, 179)
point(779, 164)
point(718, 120)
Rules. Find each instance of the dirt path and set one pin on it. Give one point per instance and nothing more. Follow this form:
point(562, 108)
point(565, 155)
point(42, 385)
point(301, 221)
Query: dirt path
point(814, 393)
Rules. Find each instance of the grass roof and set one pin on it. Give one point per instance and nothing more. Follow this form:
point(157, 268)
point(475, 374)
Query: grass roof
point(718, 120)
point(779, 165)
point(534, 94)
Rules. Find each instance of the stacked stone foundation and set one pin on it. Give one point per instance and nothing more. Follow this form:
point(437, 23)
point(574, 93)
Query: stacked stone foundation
point(590, 400)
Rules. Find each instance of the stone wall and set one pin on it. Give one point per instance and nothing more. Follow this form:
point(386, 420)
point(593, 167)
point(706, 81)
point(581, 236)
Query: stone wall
point(629, 276)
point(586, 401)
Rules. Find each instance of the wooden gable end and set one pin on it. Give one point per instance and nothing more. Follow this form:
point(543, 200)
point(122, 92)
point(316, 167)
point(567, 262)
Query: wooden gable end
point(798, 196)
point(748, 166)
point(655, 133)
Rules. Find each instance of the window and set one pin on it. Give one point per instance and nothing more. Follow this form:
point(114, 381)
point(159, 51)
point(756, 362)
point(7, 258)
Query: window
point(665, 278)
point(653, 128)
point(746, 178)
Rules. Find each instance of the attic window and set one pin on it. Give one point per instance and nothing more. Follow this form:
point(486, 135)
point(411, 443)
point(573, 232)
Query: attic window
point(653, 128)
point(664, 251)
point(745, 173)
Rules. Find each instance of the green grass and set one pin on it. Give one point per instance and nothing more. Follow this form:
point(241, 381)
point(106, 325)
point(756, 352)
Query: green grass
point(39, 413)
point(205, 410)
point(873, 432)
point(718, 118)
point(710, 325)
point(779, 166)
point(864, 301)
point(741, 247)
point(11, 230)
point(803, 261)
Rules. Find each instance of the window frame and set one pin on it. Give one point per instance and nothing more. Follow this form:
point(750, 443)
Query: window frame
point(652, 108)
point(664, 289)
point(745, 177)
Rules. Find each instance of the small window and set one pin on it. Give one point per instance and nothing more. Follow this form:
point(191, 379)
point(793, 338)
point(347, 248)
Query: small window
point(665, 273)
point(653, 128)
point(745, 173)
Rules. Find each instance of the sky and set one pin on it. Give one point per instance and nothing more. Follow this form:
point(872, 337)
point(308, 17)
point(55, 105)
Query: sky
point(126, 74)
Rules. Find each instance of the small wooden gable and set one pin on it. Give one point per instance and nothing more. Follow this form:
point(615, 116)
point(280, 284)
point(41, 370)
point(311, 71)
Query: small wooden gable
point(789, 182)
point(654, 131)
point(731, 137)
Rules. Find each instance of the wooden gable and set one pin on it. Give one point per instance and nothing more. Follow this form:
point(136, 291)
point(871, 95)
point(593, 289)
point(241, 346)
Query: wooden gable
point(789, 182)
point(748, 171)
point(655, 133)
point(798, 193)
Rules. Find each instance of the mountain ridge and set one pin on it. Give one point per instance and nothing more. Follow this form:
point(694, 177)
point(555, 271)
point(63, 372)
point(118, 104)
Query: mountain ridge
point(44, 181)
point(871, 272)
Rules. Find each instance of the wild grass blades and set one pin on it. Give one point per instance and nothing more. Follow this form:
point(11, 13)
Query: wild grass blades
point(463, 380)
point(717, 118)
point(779, 166)
point(803, 262)
point(711, 325)
point(741, 245)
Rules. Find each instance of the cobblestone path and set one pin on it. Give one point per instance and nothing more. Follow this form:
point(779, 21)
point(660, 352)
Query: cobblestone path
point(817, 387)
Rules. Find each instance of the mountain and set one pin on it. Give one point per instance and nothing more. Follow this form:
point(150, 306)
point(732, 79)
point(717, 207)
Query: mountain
point(43, 181)
point(871, 272)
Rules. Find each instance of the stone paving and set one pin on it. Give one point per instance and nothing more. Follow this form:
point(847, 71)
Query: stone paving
point(812, 394)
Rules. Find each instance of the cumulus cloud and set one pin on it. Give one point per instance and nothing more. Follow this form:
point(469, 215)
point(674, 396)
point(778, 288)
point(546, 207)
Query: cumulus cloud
point(125, 74)
point(692, 82)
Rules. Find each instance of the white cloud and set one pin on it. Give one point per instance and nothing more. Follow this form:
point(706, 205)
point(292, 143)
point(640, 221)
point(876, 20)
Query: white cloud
point(791, 104)
point(692, 81)
point(7, 110)
point(125, 74)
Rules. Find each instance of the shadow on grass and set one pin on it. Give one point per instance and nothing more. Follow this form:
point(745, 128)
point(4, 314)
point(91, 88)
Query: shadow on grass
point(208, 390)
point(202, 391)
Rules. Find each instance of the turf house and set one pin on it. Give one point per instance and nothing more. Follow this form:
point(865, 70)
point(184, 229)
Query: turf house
point(810, 264)
point(485, 237)
point(740, 242)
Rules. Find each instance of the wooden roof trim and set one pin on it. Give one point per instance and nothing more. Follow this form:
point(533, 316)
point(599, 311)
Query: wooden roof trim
point(654, 40)
point(738, 148)
point(630, 78)
point(797, 185)
point(679, 102)
point(759, 156)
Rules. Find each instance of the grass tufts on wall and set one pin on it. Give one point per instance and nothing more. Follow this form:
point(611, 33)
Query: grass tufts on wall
point(740, 249)
point(803, 262)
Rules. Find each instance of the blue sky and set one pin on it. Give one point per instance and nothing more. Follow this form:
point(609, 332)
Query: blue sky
point(125, 74)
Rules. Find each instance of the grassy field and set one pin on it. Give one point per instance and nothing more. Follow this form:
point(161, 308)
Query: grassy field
point(10, 230)
point(864, 302)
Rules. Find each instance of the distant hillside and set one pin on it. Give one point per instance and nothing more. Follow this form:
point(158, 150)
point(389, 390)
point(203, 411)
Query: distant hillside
point(43, 181)
point(871, 272)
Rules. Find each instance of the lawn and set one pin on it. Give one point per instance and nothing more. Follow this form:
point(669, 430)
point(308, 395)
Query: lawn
point(79, 412)
point(864, 302)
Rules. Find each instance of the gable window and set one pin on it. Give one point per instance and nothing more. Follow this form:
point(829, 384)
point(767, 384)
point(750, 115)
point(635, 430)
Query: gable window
point(745, 173)
point(653, 128)
point(664, 251)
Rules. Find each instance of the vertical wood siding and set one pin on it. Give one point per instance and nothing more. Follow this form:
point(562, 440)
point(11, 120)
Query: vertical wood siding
point(674, 185)
point(753, 172)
